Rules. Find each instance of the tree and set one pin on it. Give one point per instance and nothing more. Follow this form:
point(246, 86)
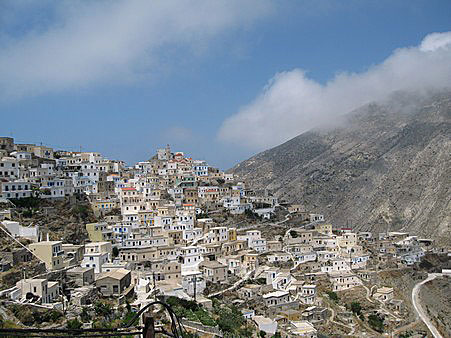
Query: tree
point(356, 308)
point(262, 334)
point(376, 322)
point(103, 310)
point(333, 296)
point(115, 251)
point(250, 214)
point(246, 331)
point(293, 234)
point(230, 320)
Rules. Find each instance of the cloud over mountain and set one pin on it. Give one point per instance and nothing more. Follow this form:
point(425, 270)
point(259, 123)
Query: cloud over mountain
point(78, 44)
point(291, 103)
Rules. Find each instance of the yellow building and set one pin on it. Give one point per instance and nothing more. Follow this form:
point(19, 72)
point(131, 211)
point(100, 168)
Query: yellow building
point(324, 228)
point(103, 206)
point(250, 260)
point(97, 232)
point(50, 252)
point(232, 234)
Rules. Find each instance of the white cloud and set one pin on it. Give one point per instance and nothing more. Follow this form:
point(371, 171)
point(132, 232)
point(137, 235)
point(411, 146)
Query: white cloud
point(435, 41)
point(292, 103)
point(94, 42)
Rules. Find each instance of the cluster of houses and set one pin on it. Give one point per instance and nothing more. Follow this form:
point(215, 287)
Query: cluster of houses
point(155, 237)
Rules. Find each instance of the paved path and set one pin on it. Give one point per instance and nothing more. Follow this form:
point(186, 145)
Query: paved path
point(368, 293)
point(332, 317)
point(256, 226)
point(234, 286)
point(405, 328)
point(419, 309)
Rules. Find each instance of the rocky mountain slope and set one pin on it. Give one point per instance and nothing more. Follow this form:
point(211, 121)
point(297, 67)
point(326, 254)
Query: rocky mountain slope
point(384, 166)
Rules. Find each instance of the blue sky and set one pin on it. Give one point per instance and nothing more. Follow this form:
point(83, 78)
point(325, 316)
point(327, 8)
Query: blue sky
point(218, 80)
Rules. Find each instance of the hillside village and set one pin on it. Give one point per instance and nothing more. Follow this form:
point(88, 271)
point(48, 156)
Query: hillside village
point(87, 242)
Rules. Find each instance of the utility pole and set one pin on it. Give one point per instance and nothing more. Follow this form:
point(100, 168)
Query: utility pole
point(61, 290)
point(23, 279)
point(149, 325)
point(195, 286)
point(350, 259)
point(154, 286)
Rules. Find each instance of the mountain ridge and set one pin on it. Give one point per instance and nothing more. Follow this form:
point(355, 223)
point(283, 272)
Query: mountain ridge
point(385, 166)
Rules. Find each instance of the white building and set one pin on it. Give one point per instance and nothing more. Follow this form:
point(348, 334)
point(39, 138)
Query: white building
point(17, 230)
point(276, 298)
point(15, 189)
point(96, 254)
point(9, 168)
point(47, 291)
point(190, 257)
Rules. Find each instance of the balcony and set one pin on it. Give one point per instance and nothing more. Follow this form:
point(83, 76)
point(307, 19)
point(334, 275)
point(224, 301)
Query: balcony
point(58, 253)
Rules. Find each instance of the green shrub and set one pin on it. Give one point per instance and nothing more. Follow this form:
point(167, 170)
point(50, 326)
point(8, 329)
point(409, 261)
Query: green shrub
point(293, 234)
point(187, 304)
point(74, 324)
point(115, 251)
point(205, 318)
point(81, 211)
point(190, 315)
point(49, 316)
point(356, 308)
point(333, 296)
point(246, 331)
point(85, 316)
point(28, 213)
point(230, 320)
point(103, 310)
point(27, 202)
point(376, 323)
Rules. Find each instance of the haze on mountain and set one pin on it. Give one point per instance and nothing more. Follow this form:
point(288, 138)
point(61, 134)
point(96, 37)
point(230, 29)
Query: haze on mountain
point(384, 166)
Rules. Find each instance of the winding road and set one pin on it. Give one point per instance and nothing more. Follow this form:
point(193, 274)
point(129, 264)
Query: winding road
point(234, 286)
point(332, 317)
point(419, 309)
point(369, 292)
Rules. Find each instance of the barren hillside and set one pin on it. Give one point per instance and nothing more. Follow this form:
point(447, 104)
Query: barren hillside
point(385, 166)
